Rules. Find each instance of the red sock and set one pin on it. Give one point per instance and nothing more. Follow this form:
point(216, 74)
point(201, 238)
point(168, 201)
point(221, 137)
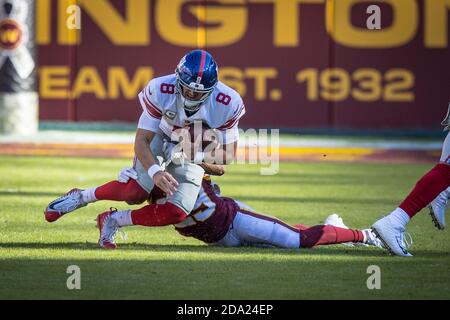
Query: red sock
point(321, 235)
point(130, 192)
point(427, 189)
point(158, 215)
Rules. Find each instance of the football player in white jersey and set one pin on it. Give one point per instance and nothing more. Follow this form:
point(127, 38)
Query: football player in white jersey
point(432, 190)
point(193, 93)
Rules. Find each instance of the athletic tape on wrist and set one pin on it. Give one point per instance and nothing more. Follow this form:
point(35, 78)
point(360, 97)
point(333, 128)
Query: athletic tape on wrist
point(154, 169)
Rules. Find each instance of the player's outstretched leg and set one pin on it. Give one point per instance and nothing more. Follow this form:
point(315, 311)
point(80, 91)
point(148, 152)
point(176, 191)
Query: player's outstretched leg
point(369, 238)
point(130, 192)
point(329, 234)
point(437, 208)
point(391, 229)
point(252, 228)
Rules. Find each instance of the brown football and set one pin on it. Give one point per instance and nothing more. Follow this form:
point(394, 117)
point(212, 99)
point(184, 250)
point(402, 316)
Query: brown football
point(201, 132)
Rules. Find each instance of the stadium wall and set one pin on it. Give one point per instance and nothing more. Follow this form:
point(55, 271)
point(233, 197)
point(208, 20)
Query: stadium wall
point(299, 64)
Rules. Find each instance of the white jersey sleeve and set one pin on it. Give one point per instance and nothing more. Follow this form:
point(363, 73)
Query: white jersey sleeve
point(231, 134)
point(146, 122)
point(230, 128)
point(153, 114)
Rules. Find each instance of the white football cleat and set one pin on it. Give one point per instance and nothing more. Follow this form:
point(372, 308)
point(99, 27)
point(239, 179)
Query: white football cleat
point(69, 202)
point(371, 239)
point(393, 236)
point(108, 228)
point(336, 221)
point(437, 209)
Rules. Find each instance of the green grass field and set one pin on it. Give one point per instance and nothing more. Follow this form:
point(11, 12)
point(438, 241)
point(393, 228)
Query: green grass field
point(157, 263)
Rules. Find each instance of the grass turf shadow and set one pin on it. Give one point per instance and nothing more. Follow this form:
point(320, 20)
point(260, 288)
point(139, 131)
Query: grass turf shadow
point(332, 250)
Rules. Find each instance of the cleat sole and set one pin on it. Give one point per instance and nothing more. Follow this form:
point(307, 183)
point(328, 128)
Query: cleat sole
point(382, 241)
point(434, 219)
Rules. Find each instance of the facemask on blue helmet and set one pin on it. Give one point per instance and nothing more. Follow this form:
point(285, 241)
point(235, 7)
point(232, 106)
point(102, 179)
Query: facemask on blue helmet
point(196, 79)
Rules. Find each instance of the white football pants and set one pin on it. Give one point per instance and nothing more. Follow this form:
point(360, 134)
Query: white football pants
point(253, 229)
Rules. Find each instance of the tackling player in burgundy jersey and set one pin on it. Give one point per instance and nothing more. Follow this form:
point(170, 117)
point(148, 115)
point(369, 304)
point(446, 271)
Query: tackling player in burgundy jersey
point(224, 221)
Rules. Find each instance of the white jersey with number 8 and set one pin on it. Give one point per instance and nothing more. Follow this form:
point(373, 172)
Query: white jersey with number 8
point(164, 112)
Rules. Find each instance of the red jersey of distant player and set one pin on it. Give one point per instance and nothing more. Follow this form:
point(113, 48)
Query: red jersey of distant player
point(211, 217)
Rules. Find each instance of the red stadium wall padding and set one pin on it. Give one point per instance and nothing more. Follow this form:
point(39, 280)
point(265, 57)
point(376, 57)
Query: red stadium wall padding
point(297, 65)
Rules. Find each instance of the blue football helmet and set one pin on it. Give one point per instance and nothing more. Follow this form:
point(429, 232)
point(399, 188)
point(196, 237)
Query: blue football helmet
point(197, 76)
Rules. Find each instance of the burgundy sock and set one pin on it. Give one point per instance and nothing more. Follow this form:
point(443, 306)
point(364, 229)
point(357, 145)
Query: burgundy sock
point(322, 235)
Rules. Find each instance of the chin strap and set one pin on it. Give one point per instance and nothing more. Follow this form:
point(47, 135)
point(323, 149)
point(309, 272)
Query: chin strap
point(187, 108)
point(194, 108)
point(190, 111)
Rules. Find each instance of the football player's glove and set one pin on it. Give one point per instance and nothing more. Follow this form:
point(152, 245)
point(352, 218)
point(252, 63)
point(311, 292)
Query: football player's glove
point(126, 174)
